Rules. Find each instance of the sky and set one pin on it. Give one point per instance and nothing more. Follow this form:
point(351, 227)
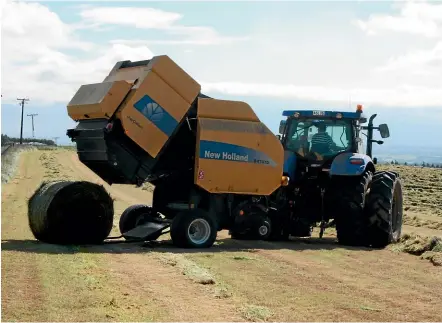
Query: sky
point(276, 56)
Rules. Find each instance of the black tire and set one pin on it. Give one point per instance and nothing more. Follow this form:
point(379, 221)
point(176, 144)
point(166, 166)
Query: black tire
point(264, 231)
point(255, 225)
point(351, 223)
point(384, 209)
point(280, 222)
point(181, 224)
point(135, 215)
point(278, 233)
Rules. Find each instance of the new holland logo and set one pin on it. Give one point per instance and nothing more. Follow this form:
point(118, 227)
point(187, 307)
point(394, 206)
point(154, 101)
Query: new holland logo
point(135, 122)
point(153, 111)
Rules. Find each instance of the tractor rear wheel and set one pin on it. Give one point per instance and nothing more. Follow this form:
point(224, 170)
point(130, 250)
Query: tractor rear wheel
point(351, 223)
point(384, 209)
point(193, 229)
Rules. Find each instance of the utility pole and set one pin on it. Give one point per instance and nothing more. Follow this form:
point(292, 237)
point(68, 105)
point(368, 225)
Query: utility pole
point(21, 124)
point(32, 115)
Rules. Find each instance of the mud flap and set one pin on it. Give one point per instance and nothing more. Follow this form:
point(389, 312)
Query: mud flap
point(146, 231)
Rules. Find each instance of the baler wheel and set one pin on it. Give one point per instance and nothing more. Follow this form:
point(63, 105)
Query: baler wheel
point(193, 229)
point(254, 224)
point(136, 215)
point(265, 229)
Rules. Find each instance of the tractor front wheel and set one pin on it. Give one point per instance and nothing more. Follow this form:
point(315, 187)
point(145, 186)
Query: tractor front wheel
point(385, 209)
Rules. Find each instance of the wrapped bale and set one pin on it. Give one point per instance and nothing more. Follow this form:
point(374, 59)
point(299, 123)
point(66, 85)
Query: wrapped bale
point(71, 212)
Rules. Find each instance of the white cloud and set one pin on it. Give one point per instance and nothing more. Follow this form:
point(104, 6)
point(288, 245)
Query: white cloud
point(420, 67)
point(424, 62)
point(130, 16)
point(418, 18)
point(37, 28)
point(34, 58)
point(403, 96)
point(150, 18)
point(34, 65)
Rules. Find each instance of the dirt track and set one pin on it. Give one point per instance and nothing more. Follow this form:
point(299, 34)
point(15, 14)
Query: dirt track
point(234, 281)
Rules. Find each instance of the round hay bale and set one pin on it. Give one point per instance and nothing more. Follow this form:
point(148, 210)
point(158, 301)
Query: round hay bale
point(70, 212)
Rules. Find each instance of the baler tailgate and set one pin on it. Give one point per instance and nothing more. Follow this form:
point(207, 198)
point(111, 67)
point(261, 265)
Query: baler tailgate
point(99, 100)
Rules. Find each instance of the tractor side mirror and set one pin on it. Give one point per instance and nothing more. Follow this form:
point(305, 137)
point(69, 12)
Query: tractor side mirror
point(384, 131)
point(282, 126)
point(279, 137)
point(375, 160)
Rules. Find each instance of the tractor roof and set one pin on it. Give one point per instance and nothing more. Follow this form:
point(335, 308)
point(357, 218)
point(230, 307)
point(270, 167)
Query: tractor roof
point(320, 114)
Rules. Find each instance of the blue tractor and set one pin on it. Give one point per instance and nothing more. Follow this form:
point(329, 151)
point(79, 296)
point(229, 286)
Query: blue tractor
point(333, 181)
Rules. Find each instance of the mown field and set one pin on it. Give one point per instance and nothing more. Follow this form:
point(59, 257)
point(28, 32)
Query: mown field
point(300, 280)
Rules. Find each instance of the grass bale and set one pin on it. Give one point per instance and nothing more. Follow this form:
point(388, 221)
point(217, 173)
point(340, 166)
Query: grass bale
point(71, 212)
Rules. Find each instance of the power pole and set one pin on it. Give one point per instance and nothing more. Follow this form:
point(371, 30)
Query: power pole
point(21, 124)
point(32, 115)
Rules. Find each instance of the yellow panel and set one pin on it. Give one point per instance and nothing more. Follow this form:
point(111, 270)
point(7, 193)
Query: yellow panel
point(142, 131)
point(152, 114)
point(99, 100)
point(128, 73)
point(240, 158)
point(224, 109)
point(176, 77)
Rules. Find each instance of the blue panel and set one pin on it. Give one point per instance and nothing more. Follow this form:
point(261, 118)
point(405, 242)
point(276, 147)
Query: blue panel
point(228, 152)
point(290, 163)
point(342, 166)
point(156, 114)
point(322, 114)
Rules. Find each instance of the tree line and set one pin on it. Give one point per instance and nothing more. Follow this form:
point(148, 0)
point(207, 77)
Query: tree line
point(423, 164)
point(9, 140)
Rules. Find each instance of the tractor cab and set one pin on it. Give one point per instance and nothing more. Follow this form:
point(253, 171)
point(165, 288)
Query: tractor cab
point(320, 135)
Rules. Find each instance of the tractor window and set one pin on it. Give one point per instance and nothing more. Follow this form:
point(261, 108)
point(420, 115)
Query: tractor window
point(319, 137)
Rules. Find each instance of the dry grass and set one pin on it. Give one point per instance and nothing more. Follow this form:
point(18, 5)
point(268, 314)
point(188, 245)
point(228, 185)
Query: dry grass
point(10, 160)
point(147, 187)
point(188, 268)
point(429, 248)
point(415, 221)
point(256, 313)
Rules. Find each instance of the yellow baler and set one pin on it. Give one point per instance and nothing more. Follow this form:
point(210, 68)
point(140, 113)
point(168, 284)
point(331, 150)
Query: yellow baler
point(213, 163)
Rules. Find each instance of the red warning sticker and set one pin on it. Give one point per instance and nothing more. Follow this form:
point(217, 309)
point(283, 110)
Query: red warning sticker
point(201, 174)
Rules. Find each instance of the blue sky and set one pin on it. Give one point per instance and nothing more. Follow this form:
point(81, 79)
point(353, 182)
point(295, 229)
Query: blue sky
point(275, 56)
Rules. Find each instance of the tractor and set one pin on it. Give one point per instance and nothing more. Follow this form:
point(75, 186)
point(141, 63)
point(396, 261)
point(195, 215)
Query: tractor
point(333, 182)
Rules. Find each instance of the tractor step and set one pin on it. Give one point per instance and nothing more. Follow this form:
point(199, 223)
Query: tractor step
point(146, 231)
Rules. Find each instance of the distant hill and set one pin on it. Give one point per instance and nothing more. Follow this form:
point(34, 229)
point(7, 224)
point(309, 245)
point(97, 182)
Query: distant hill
point(408, 154)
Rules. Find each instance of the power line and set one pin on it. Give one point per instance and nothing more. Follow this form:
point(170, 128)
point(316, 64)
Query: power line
point(21, 124)
point(32, 115)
